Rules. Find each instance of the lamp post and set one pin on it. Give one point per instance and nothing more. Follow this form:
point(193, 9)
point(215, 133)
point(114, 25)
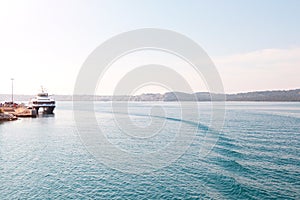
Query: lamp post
point(12, 90)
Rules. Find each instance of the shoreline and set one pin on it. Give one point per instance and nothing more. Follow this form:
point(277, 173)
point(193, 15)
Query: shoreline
point(7, 117)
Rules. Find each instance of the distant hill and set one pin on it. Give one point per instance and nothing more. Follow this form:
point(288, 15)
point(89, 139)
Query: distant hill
point(277, 95)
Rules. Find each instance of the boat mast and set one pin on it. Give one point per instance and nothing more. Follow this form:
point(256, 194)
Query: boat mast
point(43, 89)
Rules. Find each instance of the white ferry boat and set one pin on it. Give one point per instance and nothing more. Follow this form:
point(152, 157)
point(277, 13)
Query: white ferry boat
point(42, 100)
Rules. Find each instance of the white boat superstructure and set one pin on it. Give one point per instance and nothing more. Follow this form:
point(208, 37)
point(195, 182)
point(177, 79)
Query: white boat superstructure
point(42, 100)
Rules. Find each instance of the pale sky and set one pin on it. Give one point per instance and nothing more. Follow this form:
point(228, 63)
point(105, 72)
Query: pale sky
point(255, 45)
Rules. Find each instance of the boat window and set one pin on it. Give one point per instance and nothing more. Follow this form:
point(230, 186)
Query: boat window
point(43, 94)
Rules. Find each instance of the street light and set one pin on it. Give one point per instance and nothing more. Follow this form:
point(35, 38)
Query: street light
point(12, 90)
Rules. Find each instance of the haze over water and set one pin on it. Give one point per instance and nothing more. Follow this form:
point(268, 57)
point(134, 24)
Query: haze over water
point(107, 50)
point(256, 157)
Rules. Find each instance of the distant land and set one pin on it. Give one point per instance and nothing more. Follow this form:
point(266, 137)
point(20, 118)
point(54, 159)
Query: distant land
point(275, 95)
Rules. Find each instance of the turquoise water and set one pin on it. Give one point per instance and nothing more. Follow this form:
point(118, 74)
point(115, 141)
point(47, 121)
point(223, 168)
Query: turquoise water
point(257, 156)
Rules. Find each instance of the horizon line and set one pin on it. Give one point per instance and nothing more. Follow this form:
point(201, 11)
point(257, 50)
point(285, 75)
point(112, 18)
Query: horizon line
point(241, 92)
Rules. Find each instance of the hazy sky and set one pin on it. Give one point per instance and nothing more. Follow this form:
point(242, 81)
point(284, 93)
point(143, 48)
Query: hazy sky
point(255, 45)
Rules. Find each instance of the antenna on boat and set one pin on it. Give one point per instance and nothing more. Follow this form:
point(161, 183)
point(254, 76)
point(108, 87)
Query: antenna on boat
point(43, 89)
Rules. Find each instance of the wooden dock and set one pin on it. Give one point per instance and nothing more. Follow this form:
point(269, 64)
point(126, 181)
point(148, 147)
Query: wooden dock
point(20, 111)
point(25, 112)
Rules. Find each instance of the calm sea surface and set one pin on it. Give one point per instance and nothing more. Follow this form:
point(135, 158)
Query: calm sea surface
point(257, 156)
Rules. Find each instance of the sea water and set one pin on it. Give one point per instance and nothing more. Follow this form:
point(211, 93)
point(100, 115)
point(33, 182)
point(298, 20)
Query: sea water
point(256, 155)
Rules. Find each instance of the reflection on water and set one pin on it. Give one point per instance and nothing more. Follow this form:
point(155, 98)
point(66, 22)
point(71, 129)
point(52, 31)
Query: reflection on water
point(40, 115)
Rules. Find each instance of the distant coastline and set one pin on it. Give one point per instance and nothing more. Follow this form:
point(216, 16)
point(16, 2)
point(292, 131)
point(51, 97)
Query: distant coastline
point(274, 95)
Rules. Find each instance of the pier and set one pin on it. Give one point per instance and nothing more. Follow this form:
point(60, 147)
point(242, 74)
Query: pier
point(10, 112)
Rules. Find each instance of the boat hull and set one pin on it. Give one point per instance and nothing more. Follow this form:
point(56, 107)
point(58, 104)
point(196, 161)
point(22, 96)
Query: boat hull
point(46, 109)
